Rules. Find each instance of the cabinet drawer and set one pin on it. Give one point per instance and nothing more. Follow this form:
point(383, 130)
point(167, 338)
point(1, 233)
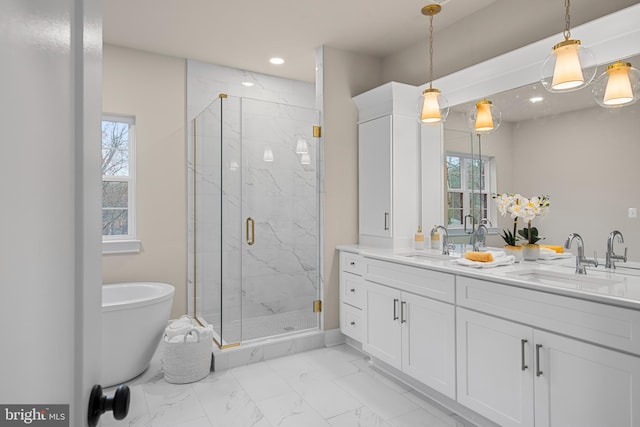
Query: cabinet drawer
point(610, 326)
point(353, 263)
point(420, 281)
point(351, 322)
point(352, 289)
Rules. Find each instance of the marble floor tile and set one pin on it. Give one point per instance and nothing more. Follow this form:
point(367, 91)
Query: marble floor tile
point(326, 397)
point(291, 410)
point(260, 382)
point(334, 386)
point(382, 400)
point(361, 417)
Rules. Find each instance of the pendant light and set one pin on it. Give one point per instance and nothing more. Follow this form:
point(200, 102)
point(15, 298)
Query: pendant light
point(434, 105)
point(618, 86)
point(484, 117)
point(569, 66)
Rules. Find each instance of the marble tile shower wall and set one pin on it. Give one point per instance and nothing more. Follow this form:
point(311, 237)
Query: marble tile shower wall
point(280, 271)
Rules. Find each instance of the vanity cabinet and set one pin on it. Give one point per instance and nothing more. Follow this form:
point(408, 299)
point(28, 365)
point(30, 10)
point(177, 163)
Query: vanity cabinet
point(521, 375)
point(352, 295)
point(409, 331)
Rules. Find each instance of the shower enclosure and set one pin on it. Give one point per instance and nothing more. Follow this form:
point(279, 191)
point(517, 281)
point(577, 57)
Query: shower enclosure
point(255, 213)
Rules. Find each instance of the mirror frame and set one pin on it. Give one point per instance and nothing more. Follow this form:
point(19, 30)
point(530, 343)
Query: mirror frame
point(611, 37)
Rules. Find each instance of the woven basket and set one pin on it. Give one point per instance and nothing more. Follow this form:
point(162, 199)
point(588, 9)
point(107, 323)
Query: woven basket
point(187, 361)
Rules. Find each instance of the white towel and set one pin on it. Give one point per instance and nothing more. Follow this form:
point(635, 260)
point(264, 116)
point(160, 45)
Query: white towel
point(546, 253)
point(178, 327)
point(503, 260)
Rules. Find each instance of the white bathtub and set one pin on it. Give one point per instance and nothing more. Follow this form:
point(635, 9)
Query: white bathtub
point(134, 316)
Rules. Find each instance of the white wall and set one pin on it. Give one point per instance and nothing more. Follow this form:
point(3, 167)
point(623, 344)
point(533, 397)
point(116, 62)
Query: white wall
point(152, 88)
point(345, 75)
point(587, 162)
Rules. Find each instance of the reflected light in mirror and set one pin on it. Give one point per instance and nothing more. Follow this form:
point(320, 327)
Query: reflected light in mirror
point(618, 89)
point(268, 155)
point(484, 120)
point(301, 146)
point(305, 159)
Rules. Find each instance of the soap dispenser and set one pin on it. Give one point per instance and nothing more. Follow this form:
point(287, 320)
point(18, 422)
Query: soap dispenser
point(435, 238)
point(419, 239)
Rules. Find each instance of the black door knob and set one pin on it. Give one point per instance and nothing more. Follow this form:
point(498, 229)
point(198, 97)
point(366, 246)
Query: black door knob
point(99, 404)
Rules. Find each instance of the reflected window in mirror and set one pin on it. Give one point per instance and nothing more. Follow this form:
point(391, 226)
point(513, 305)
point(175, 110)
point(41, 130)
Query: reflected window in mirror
point(469, 183)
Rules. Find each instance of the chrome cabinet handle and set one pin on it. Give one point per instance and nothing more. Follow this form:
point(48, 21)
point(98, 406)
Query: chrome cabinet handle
point(386, 221)
point(523, 364)
point(395, 308)
point(352, 263)
point(538, 371)
point(353, 323)
point(352, 290)
point(402, 305)
point(250, 240)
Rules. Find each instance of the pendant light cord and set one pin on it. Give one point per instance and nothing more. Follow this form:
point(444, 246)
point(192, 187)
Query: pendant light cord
point(431, 52)
point(567, 20)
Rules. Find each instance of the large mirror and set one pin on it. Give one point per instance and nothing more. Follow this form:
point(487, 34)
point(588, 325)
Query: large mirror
point(583, 156)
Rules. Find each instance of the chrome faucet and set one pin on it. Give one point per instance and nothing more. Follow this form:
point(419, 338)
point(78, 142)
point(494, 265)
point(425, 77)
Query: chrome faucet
point(611, 257)
point(445, 239)
point(481, 237)
point(581, 261)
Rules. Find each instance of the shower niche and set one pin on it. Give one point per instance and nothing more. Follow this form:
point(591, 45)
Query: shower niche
point(254, 219)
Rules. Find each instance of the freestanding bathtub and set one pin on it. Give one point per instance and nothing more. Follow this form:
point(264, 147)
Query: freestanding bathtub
point(134, 316)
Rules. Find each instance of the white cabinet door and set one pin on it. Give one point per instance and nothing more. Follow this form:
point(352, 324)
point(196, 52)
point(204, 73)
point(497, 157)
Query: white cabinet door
point(374, 163)
point(495, 361)
point(428, 342)
point(580, 384)
point(383, 335)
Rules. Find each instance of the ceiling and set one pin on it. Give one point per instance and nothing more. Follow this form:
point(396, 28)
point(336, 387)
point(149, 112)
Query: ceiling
point(244, 34)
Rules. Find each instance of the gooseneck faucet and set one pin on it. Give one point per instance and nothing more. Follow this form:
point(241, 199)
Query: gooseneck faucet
point(581, 261)
point(481, 237)
point(445, 239)
point(611, 257)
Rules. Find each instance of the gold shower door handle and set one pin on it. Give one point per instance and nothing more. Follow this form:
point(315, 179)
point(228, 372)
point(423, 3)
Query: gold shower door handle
point(252, 240)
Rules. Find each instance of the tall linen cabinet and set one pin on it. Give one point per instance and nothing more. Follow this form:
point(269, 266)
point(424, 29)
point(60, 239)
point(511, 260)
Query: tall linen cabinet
point(388, 165)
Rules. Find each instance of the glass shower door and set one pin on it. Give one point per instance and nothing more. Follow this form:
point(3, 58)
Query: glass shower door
point(216, 206)
point(280, 211)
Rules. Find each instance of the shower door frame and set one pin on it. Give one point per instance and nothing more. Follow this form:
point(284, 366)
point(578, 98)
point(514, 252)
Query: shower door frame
point(224, 342)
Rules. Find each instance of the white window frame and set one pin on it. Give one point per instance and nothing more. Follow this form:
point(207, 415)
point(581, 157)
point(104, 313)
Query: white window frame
point(124, 243)
point(489, 185)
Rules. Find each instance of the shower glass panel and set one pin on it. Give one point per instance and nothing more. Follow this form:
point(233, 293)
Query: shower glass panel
point(256, 219)
point(217, 246)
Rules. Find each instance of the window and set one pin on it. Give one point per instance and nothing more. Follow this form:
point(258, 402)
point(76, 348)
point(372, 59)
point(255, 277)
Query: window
point(469, 183)
point(118, 178)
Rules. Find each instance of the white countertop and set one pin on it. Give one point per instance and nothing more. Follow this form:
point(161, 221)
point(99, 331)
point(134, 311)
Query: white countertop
point(620, 287)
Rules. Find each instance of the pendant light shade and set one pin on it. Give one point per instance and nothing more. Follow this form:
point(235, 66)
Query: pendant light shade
point(484, 117)
point(618, 86)
point(434, 107)
point(569, 66)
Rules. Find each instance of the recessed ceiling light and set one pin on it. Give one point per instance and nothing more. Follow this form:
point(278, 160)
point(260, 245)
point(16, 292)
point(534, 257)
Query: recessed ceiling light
point(535, 99)
point(247, 84)
point(276, 61)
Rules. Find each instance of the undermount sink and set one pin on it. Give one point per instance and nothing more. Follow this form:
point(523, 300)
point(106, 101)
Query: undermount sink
point(426, 256)
point(571, 280)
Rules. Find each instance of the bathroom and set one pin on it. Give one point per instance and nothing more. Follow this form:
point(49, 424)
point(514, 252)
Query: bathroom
point(156, 91)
